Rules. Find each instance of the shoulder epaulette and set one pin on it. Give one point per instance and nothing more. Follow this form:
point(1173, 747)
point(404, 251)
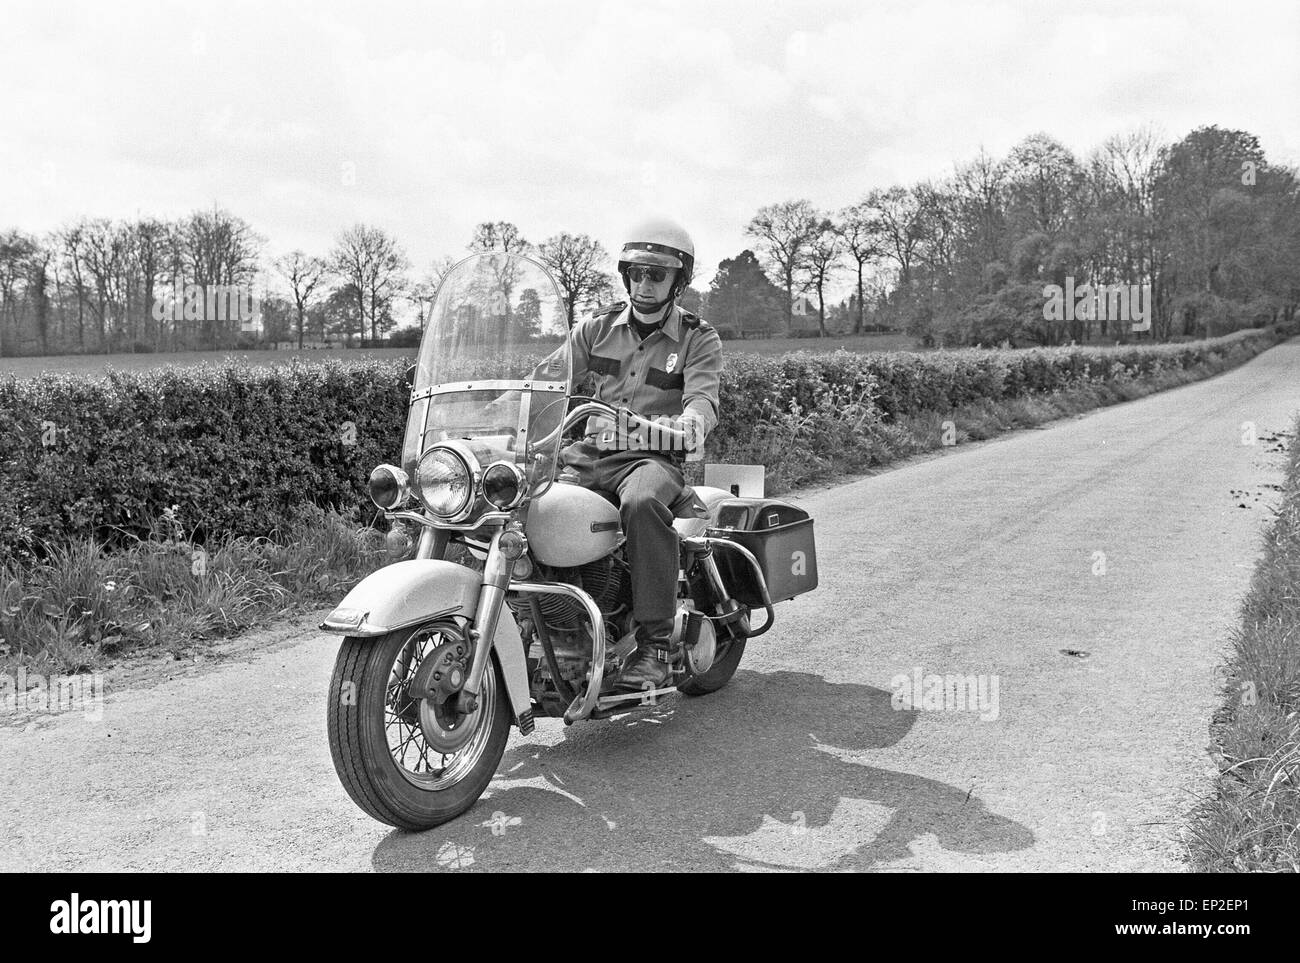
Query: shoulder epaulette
point(692, 320)
point(612, 308)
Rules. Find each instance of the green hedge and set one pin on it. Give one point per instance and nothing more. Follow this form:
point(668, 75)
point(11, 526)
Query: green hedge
point(236, 446)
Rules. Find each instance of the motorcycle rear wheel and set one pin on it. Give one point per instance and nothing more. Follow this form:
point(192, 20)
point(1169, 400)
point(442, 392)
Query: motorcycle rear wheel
point(380, 752)
point(719, 674)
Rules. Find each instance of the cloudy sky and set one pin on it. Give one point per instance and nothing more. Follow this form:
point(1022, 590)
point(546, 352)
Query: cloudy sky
point(428, 118)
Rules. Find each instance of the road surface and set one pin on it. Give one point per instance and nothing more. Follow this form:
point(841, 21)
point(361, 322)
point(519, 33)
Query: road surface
point(1086, 575)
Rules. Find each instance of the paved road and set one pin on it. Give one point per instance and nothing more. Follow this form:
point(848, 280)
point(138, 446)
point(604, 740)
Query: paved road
point(1127, 534)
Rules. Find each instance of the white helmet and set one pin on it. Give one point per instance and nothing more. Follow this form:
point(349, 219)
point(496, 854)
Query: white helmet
point(660, 243)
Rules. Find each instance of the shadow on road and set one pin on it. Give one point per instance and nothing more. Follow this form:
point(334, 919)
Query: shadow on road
point(752, 777)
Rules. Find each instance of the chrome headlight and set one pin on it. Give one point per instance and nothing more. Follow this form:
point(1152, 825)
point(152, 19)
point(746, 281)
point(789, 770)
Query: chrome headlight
point(504, 485)
point(389, 487)
point(446, 480)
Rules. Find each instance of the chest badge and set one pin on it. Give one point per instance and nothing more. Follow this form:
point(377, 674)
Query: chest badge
point(672, 363)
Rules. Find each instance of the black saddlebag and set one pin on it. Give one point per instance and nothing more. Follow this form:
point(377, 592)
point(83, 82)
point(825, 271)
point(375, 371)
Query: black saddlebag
point(778, 535)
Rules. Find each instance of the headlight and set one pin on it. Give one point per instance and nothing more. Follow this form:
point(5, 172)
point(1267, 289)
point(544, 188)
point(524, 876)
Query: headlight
point(504, 485)
point(389, 487)
point(444, 482)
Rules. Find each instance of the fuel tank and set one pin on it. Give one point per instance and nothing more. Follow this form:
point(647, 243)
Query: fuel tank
point(571, 525)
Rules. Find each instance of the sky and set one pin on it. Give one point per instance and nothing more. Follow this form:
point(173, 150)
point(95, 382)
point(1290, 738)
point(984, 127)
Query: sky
point(425, 119)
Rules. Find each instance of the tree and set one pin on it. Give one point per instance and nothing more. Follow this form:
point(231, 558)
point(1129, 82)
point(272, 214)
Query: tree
point(499, 236)
point(372, 266)
point(216, 249)
point(304, 274)
point(16, 253)
point(899, 215)
point(825, 248)
point(783, 232)
point(576, 261)
point(862, 233)
point(743, 298)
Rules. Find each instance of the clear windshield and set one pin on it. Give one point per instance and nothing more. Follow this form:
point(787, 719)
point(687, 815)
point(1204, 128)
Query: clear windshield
point(494, 366)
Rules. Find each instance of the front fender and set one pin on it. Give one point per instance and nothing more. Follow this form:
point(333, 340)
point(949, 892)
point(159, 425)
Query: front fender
point(403, 594)
point(417, 590)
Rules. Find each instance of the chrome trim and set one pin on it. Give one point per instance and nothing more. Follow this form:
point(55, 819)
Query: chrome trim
point(521, 488)
point(585, 701)
point(478, 521)
point(491, 600)
point(403, 484)
point(498, 384)
point(368, 629)
point(472, 469)
point(758, 573)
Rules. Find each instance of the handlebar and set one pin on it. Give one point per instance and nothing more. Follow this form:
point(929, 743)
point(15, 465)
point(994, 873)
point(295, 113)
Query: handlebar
point(593, 407)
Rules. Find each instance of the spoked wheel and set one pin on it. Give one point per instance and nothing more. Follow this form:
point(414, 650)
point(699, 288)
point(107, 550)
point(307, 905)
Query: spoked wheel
point(401, 751)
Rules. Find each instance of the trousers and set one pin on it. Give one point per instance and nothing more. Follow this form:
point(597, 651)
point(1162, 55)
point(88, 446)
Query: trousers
point(646, 483)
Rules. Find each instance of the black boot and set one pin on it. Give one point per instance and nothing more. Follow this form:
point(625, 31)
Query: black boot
point(651, 665)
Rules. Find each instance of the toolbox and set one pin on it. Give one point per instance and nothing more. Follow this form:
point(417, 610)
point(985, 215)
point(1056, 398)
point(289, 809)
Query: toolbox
point(779, 536)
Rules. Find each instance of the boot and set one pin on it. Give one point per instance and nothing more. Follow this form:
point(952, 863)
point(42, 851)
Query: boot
point(651, 665)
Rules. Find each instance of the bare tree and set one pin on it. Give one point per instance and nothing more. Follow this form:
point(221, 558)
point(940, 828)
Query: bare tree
point(825, 248)
point(215, 248)
point(304, 274)
point(373, 265)
point(499, 236)
point(862, 233)
point(783, 232)
point(576, 262)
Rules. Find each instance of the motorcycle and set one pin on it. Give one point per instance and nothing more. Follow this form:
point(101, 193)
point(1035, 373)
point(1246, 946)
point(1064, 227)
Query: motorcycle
point(517, 602)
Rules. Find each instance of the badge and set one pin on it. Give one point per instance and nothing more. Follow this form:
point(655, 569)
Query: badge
point(672, 363)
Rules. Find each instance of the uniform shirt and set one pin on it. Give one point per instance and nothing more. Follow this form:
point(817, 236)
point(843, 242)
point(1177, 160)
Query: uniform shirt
point(674, 370)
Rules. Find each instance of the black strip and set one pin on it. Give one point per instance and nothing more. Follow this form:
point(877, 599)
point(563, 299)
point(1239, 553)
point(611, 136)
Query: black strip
point(662, 379)
point(604, 366)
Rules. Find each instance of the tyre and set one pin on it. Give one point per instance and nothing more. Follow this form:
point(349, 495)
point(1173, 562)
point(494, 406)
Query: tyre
point(412, 763)
point(720, 673)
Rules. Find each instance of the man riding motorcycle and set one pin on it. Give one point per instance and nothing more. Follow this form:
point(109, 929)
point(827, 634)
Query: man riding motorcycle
point(663, 363)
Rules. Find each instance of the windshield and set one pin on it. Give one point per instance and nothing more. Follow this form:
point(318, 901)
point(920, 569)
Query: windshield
point(493, 366)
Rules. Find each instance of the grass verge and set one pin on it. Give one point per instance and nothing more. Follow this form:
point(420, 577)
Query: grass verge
point(82, 607)
point(1251, 823)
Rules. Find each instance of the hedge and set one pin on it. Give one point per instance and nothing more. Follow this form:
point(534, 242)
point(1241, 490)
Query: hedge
point(235, 447)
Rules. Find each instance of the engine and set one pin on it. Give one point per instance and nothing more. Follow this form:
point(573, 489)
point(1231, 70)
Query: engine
point(608, 581)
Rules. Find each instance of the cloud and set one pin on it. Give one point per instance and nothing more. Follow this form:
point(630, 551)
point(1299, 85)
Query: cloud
point(304, 118)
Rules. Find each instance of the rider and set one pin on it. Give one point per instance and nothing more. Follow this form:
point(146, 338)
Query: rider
point(662, 363)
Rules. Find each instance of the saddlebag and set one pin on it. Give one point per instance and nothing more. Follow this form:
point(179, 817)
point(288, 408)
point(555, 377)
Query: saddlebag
point(778, 535)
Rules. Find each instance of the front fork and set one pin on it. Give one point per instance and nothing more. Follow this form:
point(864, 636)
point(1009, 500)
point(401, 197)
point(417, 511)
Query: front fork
point(491, 599)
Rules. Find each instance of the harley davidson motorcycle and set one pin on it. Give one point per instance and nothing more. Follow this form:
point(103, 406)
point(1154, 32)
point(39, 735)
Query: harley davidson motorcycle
point(517, 602)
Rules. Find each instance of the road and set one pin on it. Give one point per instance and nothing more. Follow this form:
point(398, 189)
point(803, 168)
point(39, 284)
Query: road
point(1087, 574)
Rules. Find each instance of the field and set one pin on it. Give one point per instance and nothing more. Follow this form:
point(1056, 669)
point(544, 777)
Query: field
point(99, 363)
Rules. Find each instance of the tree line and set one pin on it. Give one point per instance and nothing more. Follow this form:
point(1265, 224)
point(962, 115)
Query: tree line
point(1207, 224)
point(102, 286)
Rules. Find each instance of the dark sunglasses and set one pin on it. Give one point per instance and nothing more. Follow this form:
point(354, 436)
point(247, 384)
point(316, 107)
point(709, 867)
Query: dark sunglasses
point(655, 274)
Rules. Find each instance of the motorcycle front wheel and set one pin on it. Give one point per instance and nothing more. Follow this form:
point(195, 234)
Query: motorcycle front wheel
point(382, 750)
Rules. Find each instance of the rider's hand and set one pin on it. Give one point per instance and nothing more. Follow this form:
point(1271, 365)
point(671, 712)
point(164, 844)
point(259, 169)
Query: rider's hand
point(689, 424)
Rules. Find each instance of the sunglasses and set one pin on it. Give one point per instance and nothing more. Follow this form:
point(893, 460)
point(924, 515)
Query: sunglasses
point(655, 274)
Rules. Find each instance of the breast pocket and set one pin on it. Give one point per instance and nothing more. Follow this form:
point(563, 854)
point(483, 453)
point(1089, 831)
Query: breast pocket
point(604, 366)
point(657, 378)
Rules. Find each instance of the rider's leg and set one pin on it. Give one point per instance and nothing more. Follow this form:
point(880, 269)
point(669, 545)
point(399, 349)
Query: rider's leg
point(652, 553)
